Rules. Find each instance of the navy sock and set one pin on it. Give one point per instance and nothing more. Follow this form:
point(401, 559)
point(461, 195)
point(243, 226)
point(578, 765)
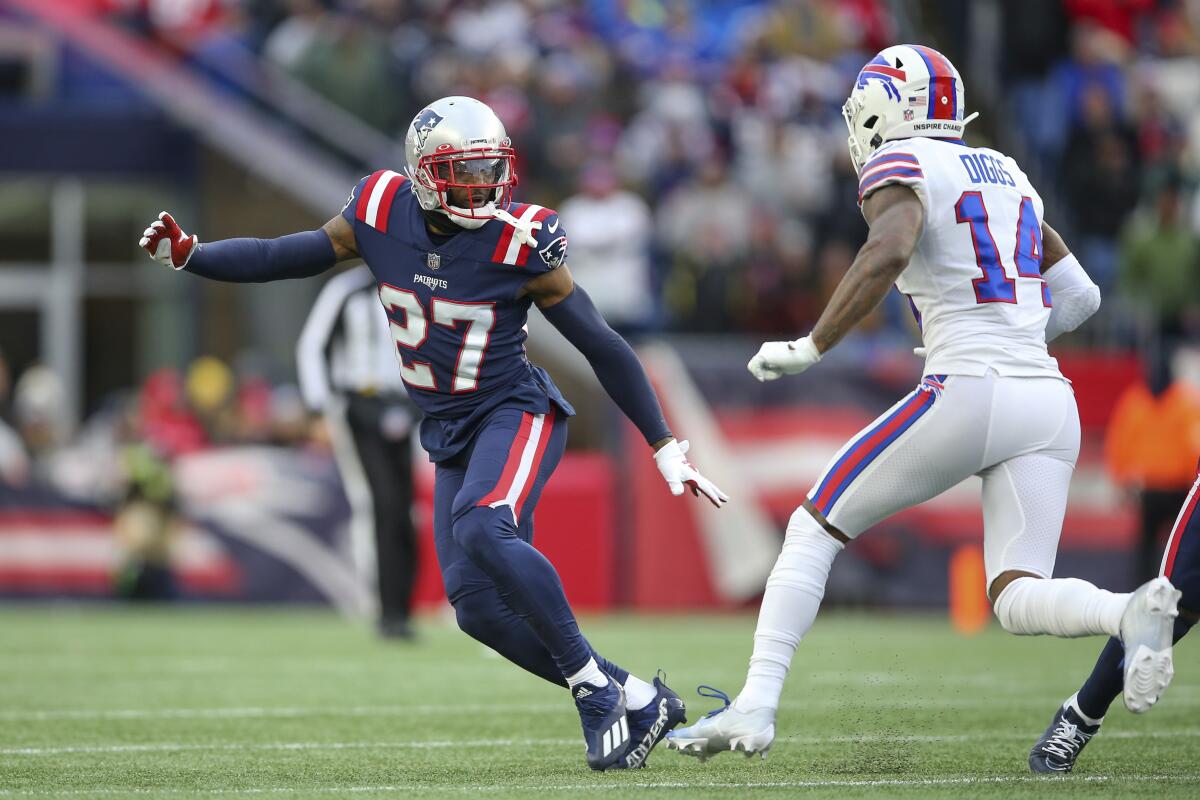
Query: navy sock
point(1108, 676)
point(487, 619)
point(526, 582)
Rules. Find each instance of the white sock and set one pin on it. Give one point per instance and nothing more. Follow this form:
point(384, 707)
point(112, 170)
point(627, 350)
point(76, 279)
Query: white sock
point(1065, 607)
point(789, 606)
point(591, 673)
point(1073, 704)
point(638, 693)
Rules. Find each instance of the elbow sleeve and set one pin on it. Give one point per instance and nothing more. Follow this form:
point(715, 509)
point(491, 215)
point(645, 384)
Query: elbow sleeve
point(1074, 297)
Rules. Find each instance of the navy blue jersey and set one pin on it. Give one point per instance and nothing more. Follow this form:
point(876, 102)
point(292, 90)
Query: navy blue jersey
point(456, 318)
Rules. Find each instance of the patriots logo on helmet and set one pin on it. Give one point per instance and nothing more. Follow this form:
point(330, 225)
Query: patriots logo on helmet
point(424, 124)
point(879, 69)
point(555, 253)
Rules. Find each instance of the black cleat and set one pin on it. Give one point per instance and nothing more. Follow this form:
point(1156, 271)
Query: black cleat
point(648, 726)
point(1062, 742)
point(605, 727)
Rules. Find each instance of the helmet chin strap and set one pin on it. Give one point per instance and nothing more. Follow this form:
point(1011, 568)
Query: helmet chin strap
point(524, 229)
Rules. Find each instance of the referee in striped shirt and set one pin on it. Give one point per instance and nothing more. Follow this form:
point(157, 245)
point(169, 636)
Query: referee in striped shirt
point(348, 373)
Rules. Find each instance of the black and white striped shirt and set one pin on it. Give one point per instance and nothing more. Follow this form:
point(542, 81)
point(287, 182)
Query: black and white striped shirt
point(346, 344)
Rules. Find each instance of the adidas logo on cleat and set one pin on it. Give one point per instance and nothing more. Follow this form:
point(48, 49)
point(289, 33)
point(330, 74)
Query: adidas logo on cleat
point(582, 692)
point(616, 736)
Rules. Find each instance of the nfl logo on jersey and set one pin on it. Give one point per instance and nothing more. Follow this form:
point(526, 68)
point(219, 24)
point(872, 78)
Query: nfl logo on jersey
point(433, 260)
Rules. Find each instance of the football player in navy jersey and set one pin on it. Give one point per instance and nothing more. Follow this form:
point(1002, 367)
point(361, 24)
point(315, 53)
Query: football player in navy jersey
point(458, 265)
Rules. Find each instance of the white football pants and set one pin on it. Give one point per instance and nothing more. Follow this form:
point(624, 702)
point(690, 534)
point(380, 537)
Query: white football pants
point(1020, 435)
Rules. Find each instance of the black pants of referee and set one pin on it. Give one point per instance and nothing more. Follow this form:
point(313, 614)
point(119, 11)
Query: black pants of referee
point(381, 430)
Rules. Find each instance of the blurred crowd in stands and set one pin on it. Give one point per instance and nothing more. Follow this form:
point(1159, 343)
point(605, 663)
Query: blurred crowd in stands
point(1104, 96)
point(697, 149)
point(139, 432)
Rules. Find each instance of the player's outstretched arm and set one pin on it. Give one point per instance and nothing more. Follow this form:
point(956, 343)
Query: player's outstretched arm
point(896, 217)
point(569, 309)
point(297, 255)
point(1073, 295)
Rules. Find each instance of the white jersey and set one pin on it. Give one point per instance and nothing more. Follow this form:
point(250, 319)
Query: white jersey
point(975, 279)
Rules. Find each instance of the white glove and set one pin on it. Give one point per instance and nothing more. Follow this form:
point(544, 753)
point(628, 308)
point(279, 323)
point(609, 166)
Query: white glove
point(678, 472)
point(776, 359)
point(921, 352)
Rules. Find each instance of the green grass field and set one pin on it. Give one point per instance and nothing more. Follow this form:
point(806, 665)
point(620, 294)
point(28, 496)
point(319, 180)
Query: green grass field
point(232, 703)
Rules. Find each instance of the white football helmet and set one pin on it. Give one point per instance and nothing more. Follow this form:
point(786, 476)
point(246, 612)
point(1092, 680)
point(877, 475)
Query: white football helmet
point(906, 90)
point(460, 143)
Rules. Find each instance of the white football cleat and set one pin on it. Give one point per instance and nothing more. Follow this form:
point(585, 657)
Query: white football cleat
point(726, 729)
point(1146, 632)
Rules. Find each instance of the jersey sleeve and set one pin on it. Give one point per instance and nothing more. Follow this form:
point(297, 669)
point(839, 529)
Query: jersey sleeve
point(550, 249)
point(370, 201)
point(894, 165)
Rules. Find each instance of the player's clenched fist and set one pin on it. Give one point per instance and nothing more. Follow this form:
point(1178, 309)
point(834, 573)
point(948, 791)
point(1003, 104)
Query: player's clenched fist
point(166, 242)
point(679, 472)
point(776, 359)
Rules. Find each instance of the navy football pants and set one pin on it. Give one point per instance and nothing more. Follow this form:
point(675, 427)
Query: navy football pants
point(505, 593)
point(1181, 563)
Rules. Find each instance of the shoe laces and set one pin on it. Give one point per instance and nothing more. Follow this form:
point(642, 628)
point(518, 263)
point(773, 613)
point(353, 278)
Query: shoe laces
point(1067, 740)
point(716, 694)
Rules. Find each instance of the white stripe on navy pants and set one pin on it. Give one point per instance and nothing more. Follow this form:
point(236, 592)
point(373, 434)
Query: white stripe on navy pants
point(1020, 435)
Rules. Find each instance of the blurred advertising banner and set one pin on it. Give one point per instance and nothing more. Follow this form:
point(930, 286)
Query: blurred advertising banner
point(254, 524)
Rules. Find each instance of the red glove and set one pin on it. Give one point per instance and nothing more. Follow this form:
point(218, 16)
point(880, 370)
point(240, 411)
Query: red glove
point(166, 242)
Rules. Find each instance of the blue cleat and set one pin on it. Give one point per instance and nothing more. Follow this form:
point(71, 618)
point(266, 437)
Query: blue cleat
point(1062, 742)
point(605, 726)
point(648, 726)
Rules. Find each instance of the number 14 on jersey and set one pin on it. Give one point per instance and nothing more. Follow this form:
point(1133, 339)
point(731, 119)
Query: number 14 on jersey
point(996, 285)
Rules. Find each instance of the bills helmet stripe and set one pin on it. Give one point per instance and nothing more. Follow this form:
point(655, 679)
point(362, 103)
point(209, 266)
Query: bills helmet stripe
point(884, 69)
point(1181, 525)
point(860, 455)
point(943, 94)
point(523, 254)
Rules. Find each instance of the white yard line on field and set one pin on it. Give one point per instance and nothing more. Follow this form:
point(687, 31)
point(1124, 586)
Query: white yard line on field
point(437, 744)
point(615, 786)
point(269, 712)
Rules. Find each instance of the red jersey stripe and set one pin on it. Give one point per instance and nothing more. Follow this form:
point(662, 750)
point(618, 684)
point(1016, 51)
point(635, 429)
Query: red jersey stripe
point(523, 254)
point(364, 199)
point(506, 235)
point(1180, 526)
point(385, 203)
point(500, 491)
point(531, 479)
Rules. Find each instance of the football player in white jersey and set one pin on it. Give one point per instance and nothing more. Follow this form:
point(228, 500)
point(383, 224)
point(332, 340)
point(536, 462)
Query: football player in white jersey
point(959, 230)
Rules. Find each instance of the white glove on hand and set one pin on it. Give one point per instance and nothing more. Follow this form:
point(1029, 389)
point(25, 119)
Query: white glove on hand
point(166, 242)
point(776, 359)
point(678, 472)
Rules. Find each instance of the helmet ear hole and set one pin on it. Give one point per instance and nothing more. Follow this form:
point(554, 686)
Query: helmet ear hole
point(870, 122)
